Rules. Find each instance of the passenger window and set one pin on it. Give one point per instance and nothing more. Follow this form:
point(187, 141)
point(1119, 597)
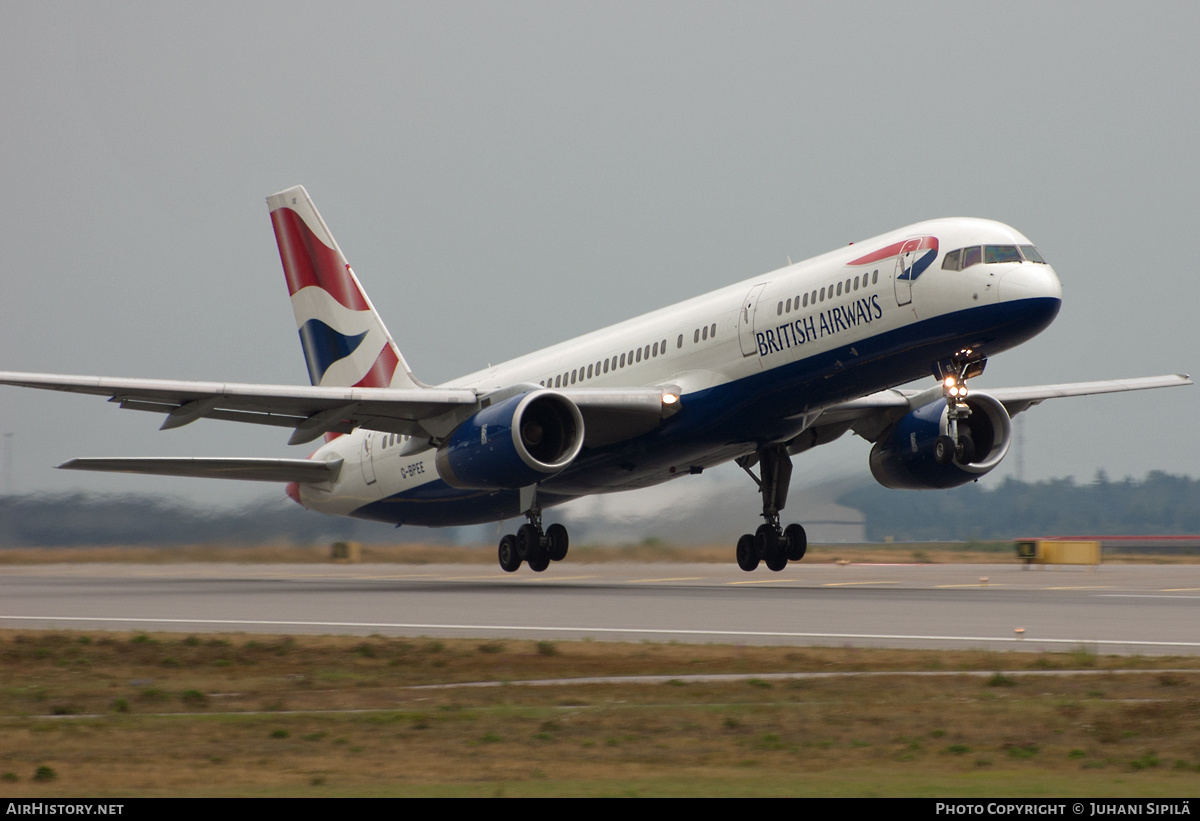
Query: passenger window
point(696, 336)
point(713, 332)
point(839, 293)
point(622, 360)
point(856, 283)
point(639, 355)
point(679, 342)
point(589, 376)
point(806, 300)
point(779, 310)
point(875, 277)
point(704, 332)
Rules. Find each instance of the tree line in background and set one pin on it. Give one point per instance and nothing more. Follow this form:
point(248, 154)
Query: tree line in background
point(1160, 504)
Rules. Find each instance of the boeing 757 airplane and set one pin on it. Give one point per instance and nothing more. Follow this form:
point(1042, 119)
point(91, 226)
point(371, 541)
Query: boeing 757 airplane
point(756, 373)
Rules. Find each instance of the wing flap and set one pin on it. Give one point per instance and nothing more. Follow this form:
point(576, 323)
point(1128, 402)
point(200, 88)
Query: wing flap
point(1016, 400)
point(254, 470)
point(312, 410)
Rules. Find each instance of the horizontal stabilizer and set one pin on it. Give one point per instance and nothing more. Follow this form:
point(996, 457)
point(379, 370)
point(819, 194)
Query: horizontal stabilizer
point(255, 470)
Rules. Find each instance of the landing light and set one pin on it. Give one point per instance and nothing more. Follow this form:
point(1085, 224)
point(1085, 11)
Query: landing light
point(669, 399)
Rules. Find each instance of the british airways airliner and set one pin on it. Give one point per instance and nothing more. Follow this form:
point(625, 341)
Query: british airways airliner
point(754, 373)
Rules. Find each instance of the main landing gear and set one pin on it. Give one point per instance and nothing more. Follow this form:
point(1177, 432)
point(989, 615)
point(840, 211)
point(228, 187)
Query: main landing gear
point(956, 444)
point(532, 545)
point(771, 543)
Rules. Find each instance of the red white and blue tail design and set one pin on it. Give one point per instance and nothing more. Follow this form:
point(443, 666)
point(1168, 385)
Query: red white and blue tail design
point(345, 342)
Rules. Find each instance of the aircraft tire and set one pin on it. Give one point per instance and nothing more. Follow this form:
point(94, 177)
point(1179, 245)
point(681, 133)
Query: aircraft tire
point(778, 561)
point(766, 541)
point(510, 562)
point(943, 450)
point(556, 535)
point(965, 453)
point(528, 542)
point(539, 563)
point(747, 553)
point(796, 541)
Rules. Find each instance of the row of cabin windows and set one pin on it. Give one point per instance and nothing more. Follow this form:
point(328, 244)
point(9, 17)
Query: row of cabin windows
point(392, 439)
point(617, 362)
point(604, 366)
point(797, 303)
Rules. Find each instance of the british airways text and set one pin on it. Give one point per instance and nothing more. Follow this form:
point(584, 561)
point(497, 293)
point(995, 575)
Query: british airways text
point(840, 318)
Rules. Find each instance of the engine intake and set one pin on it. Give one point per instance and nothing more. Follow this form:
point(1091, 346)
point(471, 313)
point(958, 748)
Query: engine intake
point(904, 459)
point(513, 443)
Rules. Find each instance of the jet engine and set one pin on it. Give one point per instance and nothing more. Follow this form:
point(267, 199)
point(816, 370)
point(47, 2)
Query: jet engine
point(906, 456)
point(513, 443)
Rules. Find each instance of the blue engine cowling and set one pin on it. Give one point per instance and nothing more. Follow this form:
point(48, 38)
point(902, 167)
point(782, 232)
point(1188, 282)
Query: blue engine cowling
point(514, 443)
point(903, 457)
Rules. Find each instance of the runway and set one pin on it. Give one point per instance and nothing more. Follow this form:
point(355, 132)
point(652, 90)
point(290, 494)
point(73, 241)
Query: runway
point(1149, 609)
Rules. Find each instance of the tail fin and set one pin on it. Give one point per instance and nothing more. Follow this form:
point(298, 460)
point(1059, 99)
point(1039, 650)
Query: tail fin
point(345, 342)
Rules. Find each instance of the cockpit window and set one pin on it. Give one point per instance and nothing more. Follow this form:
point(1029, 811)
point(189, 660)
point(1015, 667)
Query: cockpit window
point(964, 258)
point(1000, 253)
point(1030, 253)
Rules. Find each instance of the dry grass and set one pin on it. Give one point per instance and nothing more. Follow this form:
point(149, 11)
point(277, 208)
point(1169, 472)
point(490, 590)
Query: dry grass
point(138, 714)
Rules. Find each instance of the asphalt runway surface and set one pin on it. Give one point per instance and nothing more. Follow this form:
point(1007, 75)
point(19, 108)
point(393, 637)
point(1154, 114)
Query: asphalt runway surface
point(1149, 609)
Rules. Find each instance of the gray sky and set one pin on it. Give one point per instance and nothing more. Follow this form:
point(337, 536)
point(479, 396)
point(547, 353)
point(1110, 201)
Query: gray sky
point(506, 175)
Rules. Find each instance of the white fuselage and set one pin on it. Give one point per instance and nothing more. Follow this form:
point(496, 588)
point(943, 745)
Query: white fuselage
point(767, 346)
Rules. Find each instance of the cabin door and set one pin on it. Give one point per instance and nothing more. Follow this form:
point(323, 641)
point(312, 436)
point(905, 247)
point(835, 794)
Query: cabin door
point(909, 252)
point(746, 321)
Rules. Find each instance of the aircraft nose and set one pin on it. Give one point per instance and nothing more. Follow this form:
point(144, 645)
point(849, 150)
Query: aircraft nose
point(1030, 281)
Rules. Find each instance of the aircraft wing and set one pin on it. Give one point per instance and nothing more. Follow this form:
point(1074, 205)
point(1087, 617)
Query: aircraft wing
point(257, 470)
point(870, 415)
point(609, 415)
point(310, 411)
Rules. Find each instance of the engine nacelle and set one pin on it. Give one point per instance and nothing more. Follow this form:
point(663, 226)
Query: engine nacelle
point(513, 443)
point(903, 458)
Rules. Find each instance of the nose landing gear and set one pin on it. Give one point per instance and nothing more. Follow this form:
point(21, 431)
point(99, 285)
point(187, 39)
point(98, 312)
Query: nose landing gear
point(956, 445)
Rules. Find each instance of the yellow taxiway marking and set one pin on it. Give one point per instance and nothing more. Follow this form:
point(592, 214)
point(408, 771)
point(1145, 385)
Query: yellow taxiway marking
point(976, 584)
point(1097, 587)
point(680, 579)
point(850, 584)
point(1179, 589)
point(558, 578)
point(765, 581)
